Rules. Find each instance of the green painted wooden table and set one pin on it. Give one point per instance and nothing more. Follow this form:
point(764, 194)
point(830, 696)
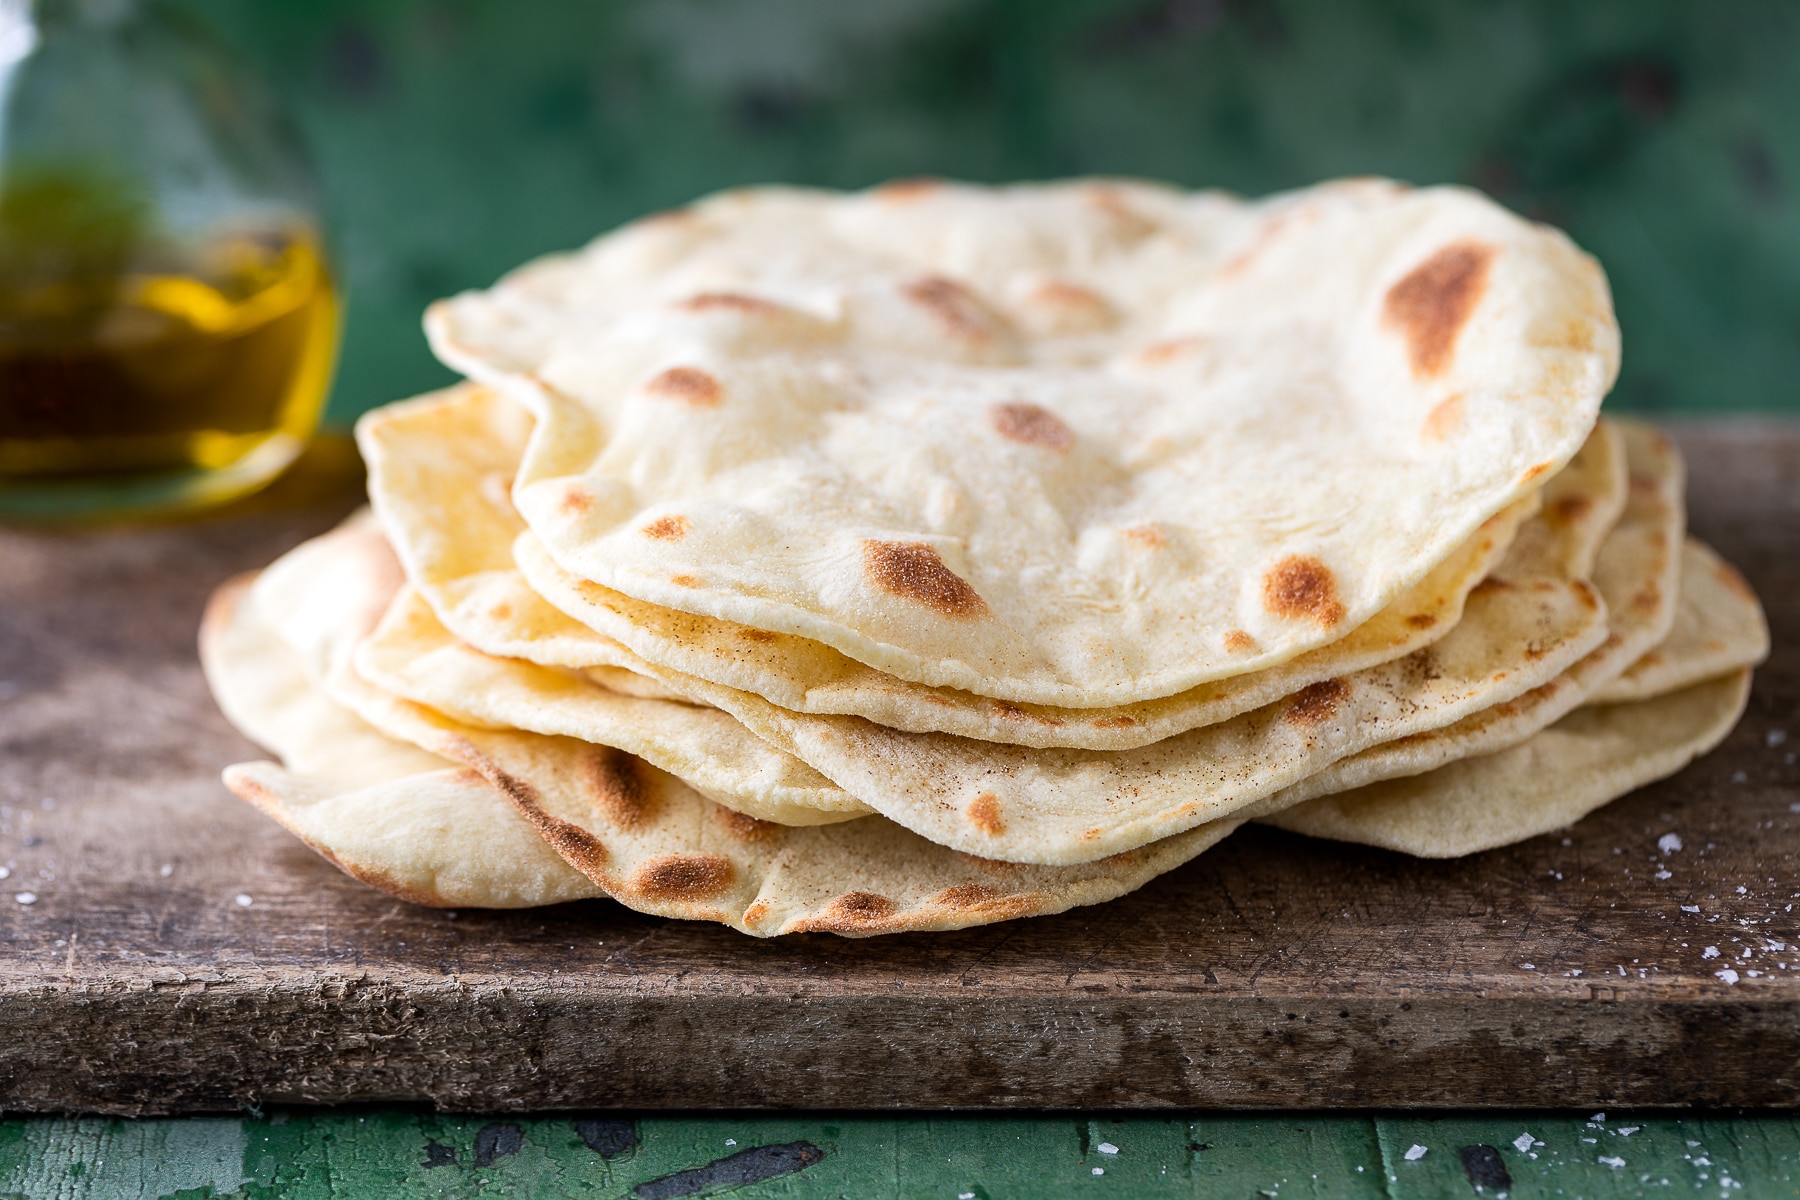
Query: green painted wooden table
point(390, 1152)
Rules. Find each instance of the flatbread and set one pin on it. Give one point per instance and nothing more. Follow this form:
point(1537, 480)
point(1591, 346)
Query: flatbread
point(631, 831)
point(440, 471)
point(1062, 806)
point(412, 655)
point(1638, 573)
point(1551, 780)
point(1719, 627)
point(407, 822)
point(845, 417)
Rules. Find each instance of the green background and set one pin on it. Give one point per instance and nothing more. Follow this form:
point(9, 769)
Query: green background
point(385, 1153)
point(458, 138)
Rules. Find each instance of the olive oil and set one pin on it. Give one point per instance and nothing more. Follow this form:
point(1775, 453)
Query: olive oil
point(168, 386)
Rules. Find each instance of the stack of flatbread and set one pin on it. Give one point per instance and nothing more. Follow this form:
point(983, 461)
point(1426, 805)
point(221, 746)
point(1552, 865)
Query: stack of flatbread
point(935, 555)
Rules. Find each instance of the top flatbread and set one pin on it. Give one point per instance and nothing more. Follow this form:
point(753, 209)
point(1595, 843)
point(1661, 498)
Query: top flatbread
point(1080, 444)
point(439, 469)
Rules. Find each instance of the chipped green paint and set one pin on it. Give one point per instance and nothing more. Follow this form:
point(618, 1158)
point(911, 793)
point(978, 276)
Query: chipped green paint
point(407, 1153)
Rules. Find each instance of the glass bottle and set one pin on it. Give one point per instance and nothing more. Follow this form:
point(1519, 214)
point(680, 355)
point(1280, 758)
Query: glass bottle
point(168, 322)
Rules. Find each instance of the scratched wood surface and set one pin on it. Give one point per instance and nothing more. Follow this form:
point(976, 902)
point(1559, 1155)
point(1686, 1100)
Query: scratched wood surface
point(181, 954)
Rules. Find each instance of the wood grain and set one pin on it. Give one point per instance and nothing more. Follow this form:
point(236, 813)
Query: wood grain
point(1274, 971)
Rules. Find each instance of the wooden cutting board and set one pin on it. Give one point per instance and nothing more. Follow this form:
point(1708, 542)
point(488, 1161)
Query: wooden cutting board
point(183, 954)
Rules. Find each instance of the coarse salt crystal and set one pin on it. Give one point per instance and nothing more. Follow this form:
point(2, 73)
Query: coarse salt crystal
point(1739, 777)
point(1693, 908)
point(1415, 1153)
point(1774, 737)
point(5, 872)
point(1598, 1118)
point(1628, 1130)
point(165, 870)
point(1669, 843)
point(1710, 952)
point(243, 901)
point(1612, 1160)
point(1107, 1148)
point(1522, 1143)
point(1728, 975)
point(1099, 1170)
point(1665, 874)
point(731, 1141)
point(26, 897)
point(1742, 889)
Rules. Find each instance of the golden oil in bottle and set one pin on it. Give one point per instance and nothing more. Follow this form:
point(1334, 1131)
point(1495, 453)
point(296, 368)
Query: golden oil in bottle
point(179, 381)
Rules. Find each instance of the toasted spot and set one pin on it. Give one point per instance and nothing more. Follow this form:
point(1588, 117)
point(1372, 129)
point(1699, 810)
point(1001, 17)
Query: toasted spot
point(614, 782)
point(1059, 306)
point(860, 907)
point(1445, 419)
point(1148, 535)
point(1647, 599)
point(687, 385)
point(1117, 722)
point(743, 826)
point(1534, 472)
point(1237, 640)
point(1569, 509)
point(749, 634)
point(965, 895)
point(682, 877)
point(1302, 586)
point(1422, 620)
point(1493, 584)
point(914, 571)
point(1128, 221)
point(686, 581)
point(984, 813)
point(1158, 353)
point(1655, 659)
point(501, 611)
point(1009, 711)
point(756, 913)
point(1432, 303)
point(729, 302)
point(1590, 599)
point(1316, 703)
point(1030, 425)
point(905, 191)
point(575, 500)
point(954, 306)
point(671, 528)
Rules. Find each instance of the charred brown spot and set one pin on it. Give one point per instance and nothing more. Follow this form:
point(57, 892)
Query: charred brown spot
point(1301, 586)
point(1432, 303)
point(954, 306)
point(501, 611)
point(614, 782)
point(729, 302)
point(686, 581)
point(749, 634)
point(1536, 472)
point(1009, 711)
point(914, 571)
point(1422, 620)
point(682, 877)
point(1647, 599)
point(860, 906)
point(1118, 722)
point(1318, 702)
point(1590, 599)
point(1149, 536)
point(687, 385)
point(1237, 640)
point(755, 913)
point(1030, 425)
point(1493, 585)
point(984, 813)
point(575, 500)
point(671, 528)
point(743, 826)
point(966, 895)
point(1569, 509)
point(1444, 419)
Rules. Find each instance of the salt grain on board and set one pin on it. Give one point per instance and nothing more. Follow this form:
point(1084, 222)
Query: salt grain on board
point(1774, 737)
point(1710, 952)
point(244, 901)
point(1728, 975)
point(1107, 1148)
point(1522, 1143)
point(1612, 1161)
point(26, 897)
point(1693, 908)
point(1415, 1153)
point(1669, 843)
